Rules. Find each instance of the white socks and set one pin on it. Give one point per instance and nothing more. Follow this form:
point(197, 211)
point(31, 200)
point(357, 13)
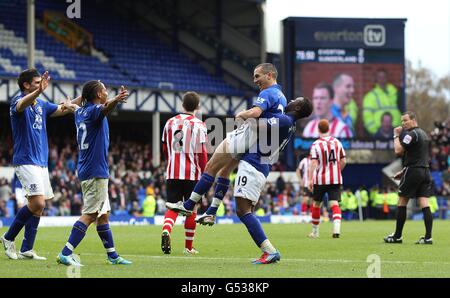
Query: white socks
point(195, 197)
point(266, 246)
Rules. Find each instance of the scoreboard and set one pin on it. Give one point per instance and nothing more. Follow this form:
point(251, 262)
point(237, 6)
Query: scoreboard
point(317, 50)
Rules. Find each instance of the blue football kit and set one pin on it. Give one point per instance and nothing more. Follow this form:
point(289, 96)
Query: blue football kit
point(29, 131)
point(261, 158)
point(93, 142)
point(271, 100)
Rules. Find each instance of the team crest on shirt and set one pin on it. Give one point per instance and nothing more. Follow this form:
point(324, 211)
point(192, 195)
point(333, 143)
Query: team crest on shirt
point(239, 190)
point(39, 110)
point(33, 187)
point(407, 139)
point(259, 100)
point(37, 121)
point(272, 121)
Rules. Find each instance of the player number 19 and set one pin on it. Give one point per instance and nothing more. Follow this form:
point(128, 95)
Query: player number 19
point(242, 180)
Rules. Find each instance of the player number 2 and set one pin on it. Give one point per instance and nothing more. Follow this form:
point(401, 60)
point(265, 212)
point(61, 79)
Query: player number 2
point(82, 131)
point(242, 180)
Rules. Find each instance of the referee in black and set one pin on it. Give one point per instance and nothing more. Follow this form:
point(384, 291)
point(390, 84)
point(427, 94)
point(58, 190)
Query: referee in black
point(413, 144)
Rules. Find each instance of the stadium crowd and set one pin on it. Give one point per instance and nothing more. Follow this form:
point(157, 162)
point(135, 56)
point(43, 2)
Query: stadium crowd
point(137, 188)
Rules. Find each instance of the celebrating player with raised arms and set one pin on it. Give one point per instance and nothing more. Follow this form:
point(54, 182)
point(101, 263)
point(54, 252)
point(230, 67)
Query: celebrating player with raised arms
point(29, 115)
point(93, 171)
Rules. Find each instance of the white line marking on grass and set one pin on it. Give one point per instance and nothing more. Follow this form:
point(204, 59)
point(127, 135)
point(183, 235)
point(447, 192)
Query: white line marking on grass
point(282, 260)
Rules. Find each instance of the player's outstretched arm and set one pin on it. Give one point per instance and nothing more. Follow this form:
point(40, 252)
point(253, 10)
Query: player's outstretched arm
point(28, 99)
point(110, 105)
point(67, 107)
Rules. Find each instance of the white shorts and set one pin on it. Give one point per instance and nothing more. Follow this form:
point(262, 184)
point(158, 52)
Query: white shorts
point(95, 196)
point(249, 182)
point(241, 139)
point(35, 180)
point(20, 196)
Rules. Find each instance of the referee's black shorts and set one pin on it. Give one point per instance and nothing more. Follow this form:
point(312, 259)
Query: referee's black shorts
point(415, 183)
point(179, 190)
point(333, 191)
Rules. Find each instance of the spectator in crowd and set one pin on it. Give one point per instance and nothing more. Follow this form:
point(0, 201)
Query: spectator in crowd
point(50, 210)
point(3, 210)
point(386, 130)
point(135, 209)
point(5, 190)
point(149, 205)
point(378, 101)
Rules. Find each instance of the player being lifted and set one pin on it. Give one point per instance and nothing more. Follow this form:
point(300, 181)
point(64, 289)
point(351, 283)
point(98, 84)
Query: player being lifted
point(226, 156)
point(184, 139)
point(255, 167)
point(327, 163)
point(29, 115)
point(93, 171)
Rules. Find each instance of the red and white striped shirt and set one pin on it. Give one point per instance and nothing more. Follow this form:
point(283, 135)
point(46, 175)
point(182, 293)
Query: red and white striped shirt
point(338, 129)
point(328, 151)
point(184, 136)
point(303, 166)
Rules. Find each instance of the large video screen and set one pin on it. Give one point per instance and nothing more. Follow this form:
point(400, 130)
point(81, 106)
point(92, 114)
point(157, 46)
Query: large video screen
point(353, 71)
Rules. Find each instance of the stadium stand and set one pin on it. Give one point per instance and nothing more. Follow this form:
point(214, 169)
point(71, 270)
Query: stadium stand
point(134, 57)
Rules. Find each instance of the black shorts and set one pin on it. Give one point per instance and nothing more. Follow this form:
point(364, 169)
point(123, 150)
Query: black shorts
point(306, 192)
point(179, 190)
point(415, 183)
point(333, 191)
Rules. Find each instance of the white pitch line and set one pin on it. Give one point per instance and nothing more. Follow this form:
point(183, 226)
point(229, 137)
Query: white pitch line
point(282, 259)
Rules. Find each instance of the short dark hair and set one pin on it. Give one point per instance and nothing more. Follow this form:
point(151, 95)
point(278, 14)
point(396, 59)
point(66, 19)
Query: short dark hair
point(386, 114)
point(268, 67)
point(90, 90)
point(411, 114)
point(27, 76)
point(191, 101)
point(326, 86)
point(299, 108)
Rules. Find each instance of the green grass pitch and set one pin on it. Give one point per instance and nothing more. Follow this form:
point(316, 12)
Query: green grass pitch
point(227, 250)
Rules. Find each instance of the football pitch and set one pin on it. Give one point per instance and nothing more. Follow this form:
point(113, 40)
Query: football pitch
point(227, 250)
